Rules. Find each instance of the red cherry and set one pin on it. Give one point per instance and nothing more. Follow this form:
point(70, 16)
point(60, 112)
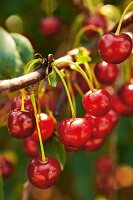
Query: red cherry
point(6, 167)
point(104, 164)
point(74, 132)
point(106, 73)
point(30, 147)
point(126, 94)
point(114, 116)
point(50, 25)
point(97, 103)
point(94, 144)
point(46, 126)
point(72, 149)
point(44, 175)
point(120, 107)
point(96, 21)
point(113, 48)
point(16, 104)
point(101, 126)
point(21, 124)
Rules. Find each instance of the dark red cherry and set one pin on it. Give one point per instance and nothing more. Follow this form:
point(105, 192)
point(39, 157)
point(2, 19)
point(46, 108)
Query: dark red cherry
point(114, 116)
point(30, 147)
point(94, 144)
point(46, 126)
point(6, 167)
point(106, 73)
point(97, 103)
point(44, 175)
point(74, 132)
point(72, 149)
point(21, 124)
point(104, 164)
point(126, 94)
point(50, 25)
point(120, 107)
point(96, 21)
point(113, 48)
point(101, 126)
point(16, 104)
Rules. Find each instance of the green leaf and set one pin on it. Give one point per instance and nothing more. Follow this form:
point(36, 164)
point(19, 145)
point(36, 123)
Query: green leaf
point(10, 62)
point(83, 59)
point(24, 47)
point(54, 148)
point(1, 189)
point(52, 78)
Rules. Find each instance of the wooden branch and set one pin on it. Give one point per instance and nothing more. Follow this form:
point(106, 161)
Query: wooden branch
point(26, 190)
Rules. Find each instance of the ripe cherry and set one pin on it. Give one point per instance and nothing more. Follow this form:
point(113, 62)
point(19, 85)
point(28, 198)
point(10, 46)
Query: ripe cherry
point(120, 107)
point(21, 124)
point(104, 164)
point(106, 73)
point(44, 175)
point(126, 94)
point(74, 132)
point(113, 48)
point(30, 147)
point(6, 167)
point(46, 126)
point(114, 116)
point(50, 25)
point(72, 149)
point(16, 104)
point(96, 21)
point(93, 144)
point(97, 103)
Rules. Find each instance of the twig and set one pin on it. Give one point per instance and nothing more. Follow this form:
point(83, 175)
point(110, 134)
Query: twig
point(27, 190)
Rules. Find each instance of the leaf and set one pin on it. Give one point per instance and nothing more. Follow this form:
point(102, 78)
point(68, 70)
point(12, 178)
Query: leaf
point(10, 62)
point(54, 148)
point(1, 189)
point(83, 59)
point(24, 47)
point(52, 78)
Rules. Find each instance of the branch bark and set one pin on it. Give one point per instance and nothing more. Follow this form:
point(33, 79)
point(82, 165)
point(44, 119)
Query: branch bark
point(15, 84)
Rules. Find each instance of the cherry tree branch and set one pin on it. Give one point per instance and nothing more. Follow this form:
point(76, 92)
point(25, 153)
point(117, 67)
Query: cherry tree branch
point(41, 73)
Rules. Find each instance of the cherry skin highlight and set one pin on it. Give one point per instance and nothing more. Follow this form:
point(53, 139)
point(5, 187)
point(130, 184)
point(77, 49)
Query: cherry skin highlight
point(21, 124)
point(126, 94)
point(6, 167)
point(44, 175)
point(106, 73)
point(30, 147)
point(113, 48)
point(97, 103)
point(74, 132)
point(46, 124)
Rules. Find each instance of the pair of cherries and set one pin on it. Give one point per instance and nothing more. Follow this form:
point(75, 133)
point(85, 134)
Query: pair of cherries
point(22, 124)
point(89, 132)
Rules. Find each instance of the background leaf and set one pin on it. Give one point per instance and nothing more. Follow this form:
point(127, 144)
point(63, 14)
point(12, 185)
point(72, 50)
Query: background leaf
point(1, 189)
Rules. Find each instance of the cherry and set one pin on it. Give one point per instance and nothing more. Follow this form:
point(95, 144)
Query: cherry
point(114, 116)
point(113, 48)
point(6, 167)
point(46, 126)
point(44, 175)
point(21, 124)
point(71, 149)
point(104, 164)
point(126, 94)
point(120, 107)
point(30, 147)
point(74, 132)
point(50, 25)
point(106, 73)
point(94, 144)
point(101, 126)
point(97, 103)
point(96, 21)
point(16, 104)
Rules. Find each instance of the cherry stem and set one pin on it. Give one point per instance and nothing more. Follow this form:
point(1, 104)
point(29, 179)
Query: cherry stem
point(30, 66)
point(96, 83)
point(122, 17)
point(22, 101)
point(89, 5)
point(66, 88)
point(88, 70)
point(78, 88)
point(79, 69)
point(82, 31)
point(38, 127)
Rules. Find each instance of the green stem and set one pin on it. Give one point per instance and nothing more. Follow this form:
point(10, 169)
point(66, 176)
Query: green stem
point(78, 89)
point(88, 70)
point(67, 91)
point(82, 31)
point(89, 5)
point(22, 101)
point(38, 127)
point(122, 17)
point(31, 64)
